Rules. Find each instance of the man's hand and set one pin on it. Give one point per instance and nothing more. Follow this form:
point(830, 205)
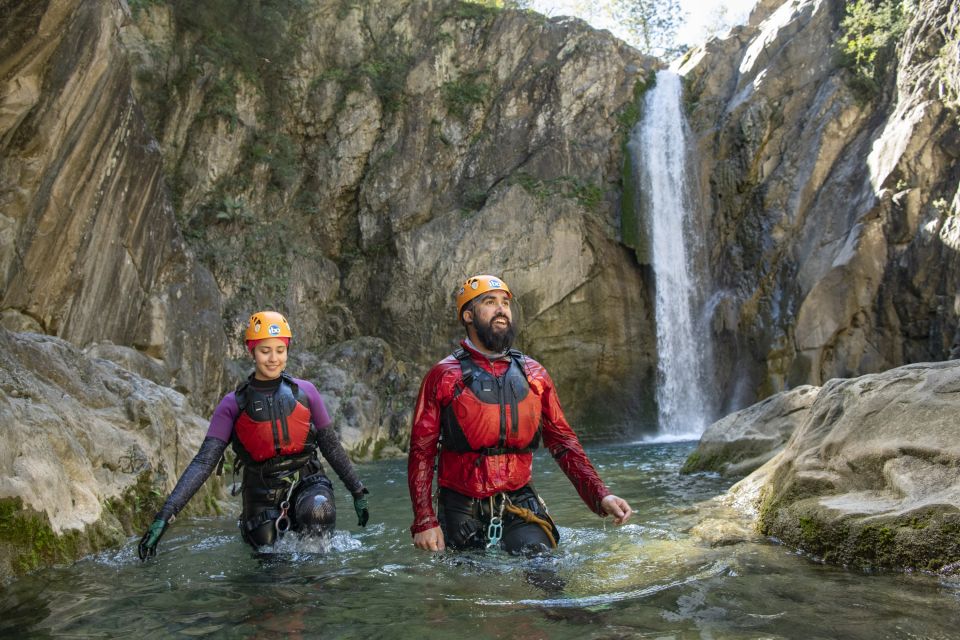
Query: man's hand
point(616, 507)
point(429, 540)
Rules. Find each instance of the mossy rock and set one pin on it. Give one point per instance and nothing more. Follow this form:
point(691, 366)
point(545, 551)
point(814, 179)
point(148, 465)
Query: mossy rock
point(924, 540)
point(28, 542)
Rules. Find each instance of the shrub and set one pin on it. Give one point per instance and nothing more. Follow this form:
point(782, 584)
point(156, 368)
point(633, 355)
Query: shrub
point(870, 31)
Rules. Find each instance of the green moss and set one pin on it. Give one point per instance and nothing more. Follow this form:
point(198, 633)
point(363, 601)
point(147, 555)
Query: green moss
point(924, 541)
point(698, 462)
point(630, 114)
point(631, 233)
point(28, 542)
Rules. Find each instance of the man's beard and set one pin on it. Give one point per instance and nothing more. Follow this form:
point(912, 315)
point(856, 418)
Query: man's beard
point(496, 340)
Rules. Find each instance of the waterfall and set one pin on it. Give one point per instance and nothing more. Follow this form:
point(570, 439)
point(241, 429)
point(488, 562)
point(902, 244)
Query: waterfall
point(658, 148)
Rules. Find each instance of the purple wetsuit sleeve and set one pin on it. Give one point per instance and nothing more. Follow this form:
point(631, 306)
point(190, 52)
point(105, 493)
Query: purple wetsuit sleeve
point(318, 410)
point(328, 441)
point(221, 424)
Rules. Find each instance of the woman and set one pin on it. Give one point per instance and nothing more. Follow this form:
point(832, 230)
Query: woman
point(276, 424)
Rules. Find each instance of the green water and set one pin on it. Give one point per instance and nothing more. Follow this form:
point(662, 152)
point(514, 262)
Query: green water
point(648, 579)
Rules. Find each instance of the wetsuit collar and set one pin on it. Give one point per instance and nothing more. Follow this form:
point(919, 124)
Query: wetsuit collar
point(472, 348)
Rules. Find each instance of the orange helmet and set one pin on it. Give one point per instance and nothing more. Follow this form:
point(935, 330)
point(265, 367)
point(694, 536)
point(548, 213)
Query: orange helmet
point(267, 324)
point(477, 286)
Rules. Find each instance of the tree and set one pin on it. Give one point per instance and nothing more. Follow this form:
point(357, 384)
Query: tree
point(652, 24)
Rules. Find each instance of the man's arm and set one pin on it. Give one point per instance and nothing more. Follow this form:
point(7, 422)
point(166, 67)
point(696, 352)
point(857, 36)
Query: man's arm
point(566, 449)
point(424, 436)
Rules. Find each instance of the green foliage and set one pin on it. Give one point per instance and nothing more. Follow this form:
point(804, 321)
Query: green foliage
point(233, 210)
point(587, 194)
point(278, 151)
point(870, 32)
point(136, 6)
point(461, 94)
point(221, 100)
point(387, 74)
point(480, 10)
point(652, 24)
point(248, 35)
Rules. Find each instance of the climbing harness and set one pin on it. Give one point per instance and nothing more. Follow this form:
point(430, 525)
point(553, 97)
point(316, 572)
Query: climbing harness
point(495, 528)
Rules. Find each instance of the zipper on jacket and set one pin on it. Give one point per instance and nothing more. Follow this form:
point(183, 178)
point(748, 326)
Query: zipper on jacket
point(503, 413)
point(273, 425)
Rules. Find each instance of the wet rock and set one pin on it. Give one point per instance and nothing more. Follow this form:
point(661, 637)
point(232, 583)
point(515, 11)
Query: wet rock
point(743, 441)
point(870, 478)
point(88, 451)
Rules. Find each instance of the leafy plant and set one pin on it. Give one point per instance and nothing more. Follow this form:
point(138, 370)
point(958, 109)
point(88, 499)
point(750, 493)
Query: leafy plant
point(461, 94)
point(870, 32)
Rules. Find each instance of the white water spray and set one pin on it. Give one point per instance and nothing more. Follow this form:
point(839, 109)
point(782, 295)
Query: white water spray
point(658, 147)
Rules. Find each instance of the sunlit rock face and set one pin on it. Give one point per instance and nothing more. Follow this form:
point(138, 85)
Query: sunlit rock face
point(869, 478)
point(89, 247)
point(744, 440)
point(832, 219)
point(89, 450)
point(358, 178)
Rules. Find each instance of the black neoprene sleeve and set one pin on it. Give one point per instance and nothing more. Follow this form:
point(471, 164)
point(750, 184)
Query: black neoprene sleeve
point(329, 444)
point(193, 477)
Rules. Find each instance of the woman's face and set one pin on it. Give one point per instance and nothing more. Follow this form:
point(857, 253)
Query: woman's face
point(269, 358)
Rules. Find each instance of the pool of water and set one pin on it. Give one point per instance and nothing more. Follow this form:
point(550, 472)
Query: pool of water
point(648, 579)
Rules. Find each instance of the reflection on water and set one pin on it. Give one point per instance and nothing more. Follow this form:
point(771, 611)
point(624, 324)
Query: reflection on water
point(648, 579)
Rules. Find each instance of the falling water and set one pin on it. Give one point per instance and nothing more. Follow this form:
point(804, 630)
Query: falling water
point(658, 147)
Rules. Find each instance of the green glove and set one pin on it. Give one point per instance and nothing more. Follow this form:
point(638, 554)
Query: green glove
point(148, 543)
point(360, 506)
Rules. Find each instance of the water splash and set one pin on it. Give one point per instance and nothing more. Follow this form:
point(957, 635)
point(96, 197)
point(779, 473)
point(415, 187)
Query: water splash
point(658, 148)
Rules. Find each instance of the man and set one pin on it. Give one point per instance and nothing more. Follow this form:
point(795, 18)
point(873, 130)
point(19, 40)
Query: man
point(488, 406)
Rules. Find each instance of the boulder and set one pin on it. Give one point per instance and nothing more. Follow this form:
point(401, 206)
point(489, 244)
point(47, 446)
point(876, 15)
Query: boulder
point(871, 477)
point(743, 441)
point(88, 451)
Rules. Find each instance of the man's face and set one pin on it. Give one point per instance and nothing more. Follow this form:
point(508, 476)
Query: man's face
point(492, 320)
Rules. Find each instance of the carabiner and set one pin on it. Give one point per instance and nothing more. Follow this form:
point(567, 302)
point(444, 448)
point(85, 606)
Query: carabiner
point(282, 523)
point(494, 532)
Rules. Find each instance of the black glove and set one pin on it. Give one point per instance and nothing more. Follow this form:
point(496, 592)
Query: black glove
point(360, 506)
point(148, 543)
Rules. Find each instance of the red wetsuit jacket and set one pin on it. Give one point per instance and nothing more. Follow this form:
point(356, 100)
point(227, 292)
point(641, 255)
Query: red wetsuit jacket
point(478, 475)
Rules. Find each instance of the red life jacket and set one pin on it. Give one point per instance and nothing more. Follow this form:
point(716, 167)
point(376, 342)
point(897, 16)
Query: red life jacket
point(272, 424)
point(501, 414)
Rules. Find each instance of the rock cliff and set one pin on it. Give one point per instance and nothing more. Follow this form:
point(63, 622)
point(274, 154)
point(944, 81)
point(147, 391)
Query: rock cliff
point(165, 167)
point(832, 216)
point(89, 451)
point(89, 247)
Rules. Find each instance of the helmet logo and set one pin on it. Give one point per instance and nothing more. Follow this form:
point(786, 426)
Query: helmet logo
point(273, 330)
point(494, 283)
point(474, 284)
point(256, 327)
